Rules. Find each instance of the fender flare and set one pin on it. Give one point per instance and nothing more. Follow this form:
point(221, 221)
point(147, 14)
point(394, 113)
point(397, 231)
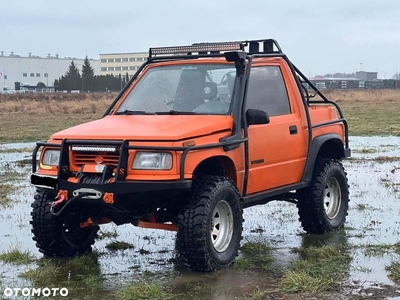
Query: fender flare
point(315, 147)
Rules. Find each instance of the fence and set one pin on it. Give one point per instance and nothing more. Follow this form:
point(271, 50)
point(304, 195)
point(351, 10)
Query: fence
point(356, 84)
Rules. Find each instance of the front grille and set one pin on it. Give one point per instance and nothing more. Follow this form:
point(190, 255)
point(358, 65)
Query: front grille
point(83, 158)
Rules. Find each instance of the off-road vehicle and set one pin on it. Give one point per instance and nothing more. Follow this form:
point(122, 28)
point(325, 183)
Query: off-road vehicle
point(198, 134)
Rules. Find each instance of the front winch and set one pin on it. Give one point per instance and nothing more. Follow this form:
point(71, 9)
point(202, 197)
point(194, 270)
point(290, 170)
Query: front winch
point(89, 193)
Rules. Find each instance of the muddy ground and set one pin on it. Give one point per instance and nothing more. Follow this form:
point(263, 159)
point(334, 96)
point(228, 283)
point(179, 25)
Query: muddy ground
point(373, 220)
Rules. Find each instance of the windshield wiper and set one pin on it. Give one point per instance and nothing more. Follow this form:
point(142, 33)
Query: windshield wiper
point(175, 112)
point(133, 112)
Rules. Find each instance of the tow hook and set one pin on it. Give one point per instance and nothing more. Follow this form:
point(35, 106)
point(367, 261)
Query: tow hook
point(61, 197)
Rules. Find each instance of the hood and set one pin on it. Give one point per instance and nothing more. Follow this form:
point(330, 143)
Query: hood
point(147, 127)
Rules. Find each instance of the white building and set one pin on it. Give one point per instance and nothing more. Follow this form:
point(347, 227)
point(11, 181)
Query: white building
point(118, 64)
point(30, 70)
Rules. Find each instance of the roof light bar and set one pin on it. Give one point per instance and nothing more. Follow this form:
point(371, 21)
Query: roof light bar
point(200, 47)
point(94, 149)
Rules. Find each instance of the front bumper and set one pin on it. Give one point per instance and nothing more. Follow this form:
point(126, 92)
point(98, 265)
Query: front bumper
point(135, 192)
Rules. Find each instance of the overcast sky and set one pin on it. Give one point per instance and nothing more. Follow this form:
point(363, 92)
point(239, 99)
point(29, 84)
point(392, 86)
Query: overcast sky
point(318, 36)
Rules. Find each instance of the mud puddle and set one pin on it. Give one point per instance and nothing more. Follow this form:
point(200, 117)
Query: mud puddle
point(373, 224)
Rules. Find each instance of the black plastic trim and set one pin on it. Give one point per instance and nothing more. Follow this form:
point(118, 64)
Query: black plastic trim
point(314, 150)
point(271, 195)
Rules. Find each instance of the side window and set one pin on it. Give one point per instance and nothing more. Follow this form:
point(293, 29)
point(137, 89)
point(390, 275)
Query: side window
point(267, 91)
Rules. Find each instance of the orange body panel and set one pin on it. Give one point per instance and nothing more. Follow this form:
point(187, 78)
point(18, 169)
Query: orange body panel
point(277, 157)
point(320, 114)
point(152, 127)
point(143, 224)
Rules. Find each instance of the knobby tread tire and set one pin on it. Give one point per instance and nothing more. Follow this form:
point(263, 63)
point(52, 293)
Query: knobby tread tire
point(310, 206)
point(47, 231)
point(194, 223)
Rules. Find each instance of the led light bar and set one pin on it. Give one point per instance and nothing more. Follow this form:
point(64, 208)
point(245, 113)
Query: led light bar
point(201, 47)
point(94, 149)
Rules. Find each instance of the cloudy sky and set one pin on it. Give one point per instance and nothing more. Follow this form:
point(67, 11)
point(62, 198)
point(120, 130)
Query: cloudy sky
point(318, 36)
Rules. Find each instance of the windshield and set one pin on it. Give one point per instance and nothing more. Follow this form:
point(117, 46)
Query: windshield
point(183, 89)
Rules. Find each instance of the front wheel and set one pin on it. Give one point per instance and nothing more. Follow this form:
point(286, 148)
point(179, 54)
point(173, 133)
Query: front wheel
point(324, 204)
point(60, 235)
point(210, 226)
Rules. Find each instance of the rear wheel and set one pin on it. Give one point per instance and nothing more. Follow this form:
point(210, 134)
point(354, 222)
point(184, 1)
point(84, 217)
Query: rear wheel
point(60, 235)
point(323, 206)
point(210, 226)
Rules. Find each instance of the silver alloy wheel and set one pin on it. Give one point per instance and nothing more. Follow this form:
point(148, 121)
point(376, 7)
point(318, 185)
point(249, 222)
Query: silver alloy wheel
point(332, 198)
point(221, 226)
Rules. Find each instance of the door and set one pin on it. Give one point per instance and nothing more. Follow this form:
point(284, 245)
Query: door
point(277, 151)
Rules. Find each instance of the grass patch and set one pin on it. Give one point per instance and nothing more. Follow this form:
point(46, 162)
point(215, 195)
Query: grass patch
point(44, 275)
point(383, 159)
point(144, 291)
point(255, 248)
point(369, 112)
point(377, 250)
point(302, 282)
point(17, 256)
point(319, 269)
point(361, 206)
point(365, 150)
point(16, 150)
point(394, 271)
point(32, 117)
point(24, 162)
point(107, 235)
point(80, 272)
point(5, 190)
point(118, 245)
point(258, 294)
point(397, 247)
point(255, 256)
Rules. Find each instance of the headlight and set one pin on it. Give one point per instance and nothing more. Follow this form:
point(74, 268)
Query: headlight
point(51, 157)
point(152, 161)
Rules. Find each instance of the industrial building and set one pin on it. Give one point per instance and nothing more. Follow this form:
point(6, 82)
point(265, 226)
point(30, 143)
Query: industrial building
point(366, 76)
point(121, 63)
point(31, 70)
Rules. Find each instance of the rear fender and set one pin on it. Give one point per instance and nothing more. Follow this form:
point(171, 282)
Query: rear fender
point(324, 146)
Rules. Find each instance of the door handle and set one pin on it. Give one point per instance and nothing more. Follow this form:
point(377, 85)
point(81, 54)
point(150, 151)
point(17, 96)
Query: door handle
point(293, 129)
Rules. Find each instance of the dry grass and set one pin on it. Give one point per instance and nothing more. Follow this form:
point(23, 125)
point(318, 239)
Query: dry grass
point(32, 117)
point(369, 112)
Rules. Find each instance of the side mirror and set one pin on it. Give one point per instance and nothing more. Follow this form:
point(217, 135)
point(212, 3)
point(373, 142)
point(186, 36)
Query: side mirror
point(256, 116)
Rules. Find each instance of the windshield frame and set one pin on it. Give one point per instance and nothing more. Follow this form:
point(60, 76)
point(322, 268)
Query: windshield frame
point(213, 63)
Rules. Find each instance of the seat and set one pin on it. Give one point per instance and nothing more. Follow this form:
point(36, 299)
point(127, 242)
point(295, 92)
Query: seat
point(210, 91)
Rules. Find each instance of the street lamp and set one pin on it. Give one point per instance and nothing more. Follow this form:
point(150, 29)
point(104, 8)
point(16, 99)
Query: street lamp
point(46, 75)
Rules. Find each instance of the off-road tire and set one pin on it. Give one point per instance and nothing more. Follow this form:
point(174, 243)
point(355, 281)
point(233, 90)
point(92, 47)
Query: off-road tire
point(324, 204)
point(60, 235)
point(210, 226)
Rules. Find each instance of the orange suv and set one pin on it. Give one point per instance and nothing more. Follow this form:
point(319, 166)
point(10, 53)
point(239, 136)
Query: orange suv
point(199, 133)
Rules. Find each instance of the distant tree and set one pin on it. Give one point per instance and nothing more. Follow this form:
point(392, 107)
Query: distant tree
point(396, 76)
point(338, 75)
point(40, 85)
point(126, 77)
point(102, 83)
point(56, 83)
point(73, 78)
point(87, 75)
